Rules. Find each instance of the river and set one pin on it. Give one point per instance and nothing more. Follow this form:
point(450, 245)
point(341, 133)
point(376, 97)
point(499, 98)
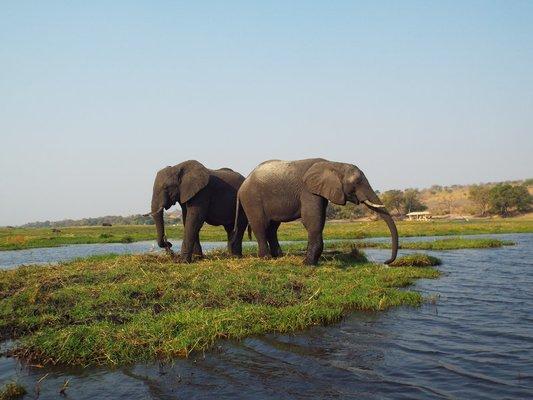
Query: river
point(475, 340)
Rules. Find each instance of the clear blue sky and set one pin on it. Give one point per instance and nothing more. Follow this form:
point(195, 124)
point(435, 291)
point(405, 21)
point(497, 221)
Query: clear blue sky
point(96, 96)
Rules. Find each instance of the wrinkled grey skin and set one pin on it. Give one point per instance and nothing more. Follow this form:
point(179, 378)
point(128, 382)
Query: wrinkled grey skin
point(279, 191)
point(205, 195)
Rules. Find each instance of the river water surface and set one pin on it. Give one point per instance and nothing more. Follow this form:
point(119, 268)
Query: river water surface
point(474, 342)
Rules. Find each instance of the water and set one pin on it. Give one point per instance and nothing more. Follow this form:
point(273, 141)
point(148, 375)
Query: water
point(13, 258)
point(475, 342)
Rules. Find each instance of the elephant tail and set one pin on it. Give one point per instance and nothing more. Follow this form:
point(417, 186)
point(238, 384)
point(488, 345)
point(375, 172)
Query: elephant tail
point(235, 224)
point(237, 207)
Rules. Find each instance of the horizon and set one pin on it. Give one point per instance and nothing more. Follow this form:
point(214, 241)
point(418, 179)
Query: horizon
point(175, 209)
point(414, 94)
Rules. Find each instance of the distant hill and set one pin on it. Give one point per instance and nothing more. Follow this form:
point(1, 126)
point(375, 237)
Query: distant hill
point(136, 219)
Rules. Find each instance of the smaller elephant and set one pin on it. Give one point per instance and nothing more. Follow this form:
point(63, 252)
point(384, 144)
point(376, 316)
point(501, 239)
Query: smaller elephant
point(205, 195)
point(280, 191)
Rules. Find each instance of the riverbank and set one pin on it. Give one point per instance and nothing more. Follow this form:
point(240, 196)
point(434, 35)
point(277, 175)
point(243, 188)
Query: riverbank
point(25, 238)
point(116, 310)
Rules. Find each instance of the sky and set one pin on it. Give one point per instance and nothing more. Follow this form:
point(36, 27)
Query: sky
point(95, 97)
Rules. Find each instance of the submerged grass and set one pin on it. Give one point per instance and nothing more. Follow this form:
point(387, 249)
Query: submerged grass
point(116, 310)
point(22, 238)
point(12, 391)
point(443, 244)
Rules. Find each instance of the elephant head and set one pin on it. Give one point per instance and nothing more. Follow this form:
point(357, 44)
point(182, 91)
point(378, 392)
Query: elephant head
point(339, 182)
point(174, 184)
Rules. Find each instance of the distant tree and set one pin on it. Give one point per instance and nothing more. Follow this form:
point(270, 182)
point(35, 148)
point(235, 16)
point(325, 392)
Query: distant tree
point(505, 197)
point(522, 199)
point(480, 196)
point(528, 182)
point(393, 200)
point(412, 202)
point(349, 211)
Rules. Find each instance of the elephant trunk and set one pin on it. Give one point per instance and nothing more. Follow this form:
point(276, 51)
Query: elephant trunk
point(376, 205)
point(383, 213)
point(160, 227)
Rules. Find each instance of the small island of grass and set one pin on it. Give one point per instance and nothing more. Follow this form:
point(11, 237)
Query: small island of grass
point(116, 310)
point(443, 244)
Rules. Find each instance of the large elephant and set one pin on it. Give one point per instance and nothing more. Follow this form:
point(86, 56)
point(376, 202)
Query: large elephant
point(205, 195)
point(279, 191)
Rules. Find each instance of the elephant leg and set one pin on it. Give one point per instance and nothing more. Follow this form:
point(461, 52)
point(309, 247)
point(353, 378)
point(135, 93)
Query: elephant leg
point(197, 249)
point(191, 238)
point(314, 218)
point(272, 238)
point(259, 228)
point(235, 238)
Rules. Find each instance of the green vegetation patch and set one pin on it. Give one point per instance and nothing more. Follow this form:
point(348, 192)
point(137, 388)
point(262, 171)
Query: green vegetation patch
point(23, 238)
point(115, 310)
point(416, 260)
point(12, 391)
point(443, 244)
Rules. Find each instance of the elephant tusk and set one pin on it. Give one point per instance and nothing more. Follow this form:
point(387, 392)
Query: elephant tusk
point(153, 213)
point(370, 204)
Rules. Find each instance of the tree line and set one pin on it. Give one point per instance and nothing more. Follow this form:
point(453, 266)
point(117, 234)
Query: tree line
point(136, 219)
point(398, 202)
point(502, 199)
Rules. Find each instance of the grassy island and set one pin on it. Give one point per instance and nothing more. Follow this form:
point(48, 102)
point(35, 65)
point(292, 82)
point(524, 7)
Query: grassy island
point(116, 310)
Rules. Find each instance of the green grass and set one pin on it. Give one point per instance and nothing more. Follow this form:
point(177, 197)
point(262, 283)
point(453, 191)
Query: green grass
point(22, 238)
point(12, 391)
point(416, 260)
point(443, 244)
point(116, 310)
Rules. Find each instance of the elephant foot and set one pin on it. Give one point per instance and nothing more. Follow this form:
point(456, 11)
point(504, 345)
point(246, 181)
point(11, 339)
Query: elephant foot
point(310, 261)
point(277, 254)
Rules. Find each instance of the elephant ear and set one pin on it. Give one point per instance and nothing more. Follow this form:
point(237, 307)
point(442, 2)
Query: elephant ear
point(325, 180)
point(193, 178)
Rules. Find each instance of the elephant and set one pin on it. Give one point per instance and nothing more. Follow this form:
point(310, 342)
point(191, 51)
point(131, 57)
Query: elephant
point(205, 195)
point(280, 191)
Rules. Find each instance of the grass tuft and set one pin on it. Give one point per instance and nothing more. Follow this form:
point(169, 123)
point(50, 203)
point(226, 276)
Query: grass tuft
point(12, 391)
point(118, 310)
point(416, 260)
